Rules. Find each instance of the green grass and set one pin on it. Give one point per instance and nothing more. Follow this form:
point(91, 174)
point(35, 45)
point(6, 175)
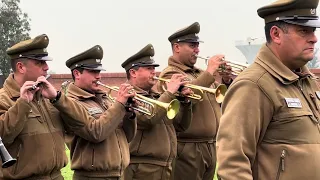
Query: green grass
point(66, 171)
point(215, 175)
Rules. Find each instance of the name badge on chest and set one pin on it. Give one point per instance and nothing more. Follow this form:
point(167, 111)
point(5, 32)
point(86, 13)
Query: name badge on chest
point(293, 102)
point(318, 94)
point(94, 110)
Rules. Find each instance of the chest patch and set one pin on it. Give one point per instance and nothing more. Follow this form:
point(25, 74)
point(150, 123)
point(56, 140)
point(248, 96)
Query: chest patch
point(293, 102)
point(95, 110)
point(318, 94)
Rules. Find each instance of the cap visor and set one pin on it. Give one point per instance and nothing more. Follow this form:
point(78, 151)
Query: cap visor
point(144, 65)
point(192, 41)
point(309, 23)
point(44, 58)
point(99, 68)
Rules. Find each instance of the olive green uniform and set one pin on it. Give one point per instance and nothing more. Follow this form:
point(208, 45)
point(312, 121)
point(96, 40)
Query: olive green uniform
point(154, 146)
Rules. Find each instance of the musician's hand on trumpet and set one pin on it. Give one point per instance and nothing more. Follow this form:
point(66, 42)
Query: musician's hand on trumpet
point(186, 93)
point(215, 63)
point(236, 68)
point(125, 93)
point(226, 74)
point(176, 85)
point(176, 81)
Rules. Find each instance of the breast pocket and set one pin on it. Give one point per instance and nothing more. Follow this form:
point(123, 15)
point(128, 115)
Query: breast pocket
point(55, 117)
point(292, 114)
point(292, 126)
point(33, 125)
point(293, 118)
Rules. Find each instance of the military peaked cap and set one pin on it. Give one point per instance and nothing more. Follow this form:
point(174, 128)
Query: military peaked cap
point(142, 58)
point(89, 59)
point(186, 34)
point(299, 12)
point(35, 48)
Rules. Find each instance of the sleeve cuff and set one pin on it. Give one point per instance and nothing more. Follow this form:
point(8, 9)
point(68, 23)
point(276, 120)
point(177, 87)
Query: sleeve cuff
point(205, 79)
point(227, 83)
point(166, 97)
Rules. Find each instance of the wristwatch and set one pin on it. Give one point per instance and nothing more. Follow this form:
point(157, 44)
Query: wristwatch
point(56, 98)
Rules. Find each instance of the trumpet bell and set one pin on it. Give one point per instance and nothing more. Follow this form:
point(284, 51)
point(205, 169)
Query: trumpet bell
point(220, 92)
point(173, 109)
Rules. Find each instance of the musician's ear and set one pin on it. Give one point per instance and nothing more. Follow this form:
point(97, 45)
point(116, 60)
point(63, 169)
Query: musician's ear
point(76, 73)
point(176, 47)
point(133, 73)
point(20, 66)
point(276, 33)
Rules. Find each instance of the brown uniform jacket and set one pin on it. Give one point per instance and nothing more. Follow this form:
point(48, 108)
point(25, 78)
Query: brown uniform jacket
point(99, 148)
point(206, 113)
point(32, 133)
point(270, 124)
point(156, 140)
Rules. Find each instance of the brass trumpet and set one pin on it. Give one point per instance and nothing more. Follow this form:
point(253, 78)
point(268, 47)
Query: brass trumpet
point(219, 92)
point(237, 68)
point(193, 96)
point(172, 108)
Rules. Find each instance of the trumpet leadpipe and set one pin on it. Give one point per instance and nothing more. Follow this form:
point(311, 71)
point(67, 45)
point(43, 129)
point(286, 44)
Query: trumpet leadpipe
point(192, 96)
point(227, 61)
point(235, 65)
point(219, 92)
point(232, 63)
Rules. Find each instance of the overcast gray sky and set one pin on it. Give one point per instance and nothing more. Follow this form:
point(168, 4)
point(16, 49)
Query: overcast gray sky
point(123, 27)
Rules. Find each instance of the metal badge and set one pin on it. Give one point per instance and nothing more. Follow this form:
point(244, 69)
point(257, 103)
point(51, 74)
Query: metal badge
point(318, 94)
point(95, 110)
point(293, 102)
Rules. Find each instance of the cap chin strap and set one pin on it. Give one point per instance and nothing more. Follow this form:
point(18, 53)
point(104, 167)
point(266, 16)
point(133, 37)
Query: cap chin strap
point(87, 65)
point(296, 17)
point(34, 56)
